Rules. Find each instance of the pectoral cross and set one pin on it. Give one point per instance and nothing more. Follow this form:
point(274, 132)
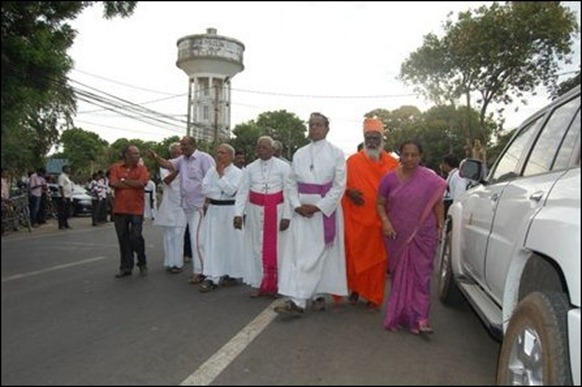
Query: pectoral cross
point(266, 187)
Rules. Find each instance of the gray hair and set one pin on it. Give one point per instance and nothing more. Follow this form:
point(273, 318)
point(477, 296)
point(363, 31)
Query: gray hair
point(228, 147)
point(278, 145)
point(173, 145)
point(266, 138)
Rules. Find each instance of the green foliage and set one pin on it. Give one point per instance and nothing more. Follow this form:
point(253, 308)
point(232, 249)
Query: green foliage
point(495, 53)
point(566, 86)
point(36, 100)
point(495, 150)
point(441, 130)
point(280, 125)
point(285, 127)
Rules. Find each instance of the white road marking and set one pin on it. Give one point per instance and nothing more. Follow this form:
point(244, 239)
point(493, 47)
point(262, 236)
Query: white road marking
point(210, 369)
point(58, 267)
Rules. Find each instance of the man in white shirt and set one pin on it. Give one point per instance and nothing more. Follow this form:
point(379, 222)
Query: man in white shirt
point(261, 201)
point(313, 262)
point(170, 216)
point(65, 197)
point(456, 185)
point(221, 244)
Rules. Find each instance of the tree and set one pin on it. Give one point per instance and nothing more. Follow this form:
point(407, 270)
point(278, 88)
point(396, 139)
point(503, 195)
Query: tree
point(440, 129)
point(246, 135)
point(285, 127)
point(85, 151)
point(403, 117)
point(565, 86)
point(36, 98)
point(280, 125)
point(497, 53)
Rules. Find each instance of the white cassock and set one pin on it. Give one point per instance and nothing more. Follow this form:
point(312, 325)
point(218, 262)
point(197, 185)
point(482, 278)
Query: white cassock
point(170, 216)
point(151, 201)
point(267, 178)
point(220, 243)
point(309, 266)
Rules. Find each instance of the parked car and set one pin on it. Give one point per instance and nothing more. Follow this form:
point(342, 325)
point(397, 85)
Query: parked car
point(511, 247)
point(81, 203)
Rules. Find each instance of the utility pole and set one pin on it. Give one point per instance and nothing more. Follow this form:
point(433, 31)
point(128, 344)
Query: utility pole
point(216, 114)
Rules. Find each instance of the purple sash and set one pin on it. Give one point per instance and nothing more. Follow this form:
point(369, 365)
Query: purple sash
point(328, 221)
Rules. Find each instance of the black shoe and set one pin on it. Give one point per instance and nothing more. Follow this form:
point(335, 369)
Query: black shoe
point(176, 269)
point(228, 281)
point(143, 270)
point(288, 307)
point(206, 286)
point(122, 274)
point(318, 304)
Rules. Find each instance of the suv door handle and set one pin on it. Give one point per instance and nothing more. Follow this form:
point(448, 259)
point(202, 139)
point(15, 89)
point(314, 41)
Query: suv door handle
point(494, 197)
point(536, 196)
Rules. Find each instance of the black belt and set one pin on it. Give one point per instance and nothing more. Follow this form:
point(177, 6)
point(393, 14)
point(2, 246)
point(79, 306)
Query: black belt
point(221, 202)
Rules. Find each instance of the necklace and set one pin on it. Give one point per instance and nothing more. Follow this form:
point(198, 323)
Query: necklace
point(311, 154)
point(266, 173)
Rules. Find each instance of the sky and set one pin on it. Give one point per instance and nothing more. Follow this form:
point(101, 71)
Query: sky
point(338, 58)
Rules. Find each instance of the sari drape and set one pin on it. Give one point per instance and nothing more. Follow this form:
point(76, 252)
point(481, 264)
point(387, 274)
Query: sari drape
point(409, 205)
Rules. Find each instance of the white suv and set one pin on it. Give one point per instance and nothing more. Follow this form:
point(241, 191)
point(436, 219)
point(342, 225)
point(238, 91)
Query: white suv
point(512, 248)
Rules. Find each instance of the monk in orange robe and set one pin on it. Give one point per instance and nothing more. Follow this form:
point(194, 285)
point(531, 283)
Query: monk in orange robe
point(366, 258)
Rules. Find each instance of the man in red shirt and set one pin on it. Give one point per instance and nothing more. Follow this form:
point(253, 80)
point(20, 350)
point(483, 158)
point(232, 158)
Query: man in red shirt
point(128, 178)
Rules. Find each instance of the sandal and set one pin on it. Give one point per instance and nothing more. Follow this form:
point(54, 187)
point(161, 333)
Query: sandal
point(206, 286)
point(424, 327)
point(196, 279)
point(353, 298)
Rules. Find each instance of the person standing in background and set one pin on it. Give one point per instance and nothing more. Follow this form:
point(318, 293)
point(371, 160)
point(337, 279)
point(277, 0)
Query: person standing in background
point(278, 151)
point(456, 185)
point(240, 159)
point(36, 186)
point(151, 201)
point(65, 198)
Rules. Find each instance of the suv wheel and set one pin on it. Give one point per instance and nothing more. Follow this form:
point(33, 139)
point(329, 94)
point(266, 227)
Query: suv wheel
point(449, 294)
point(535, 346)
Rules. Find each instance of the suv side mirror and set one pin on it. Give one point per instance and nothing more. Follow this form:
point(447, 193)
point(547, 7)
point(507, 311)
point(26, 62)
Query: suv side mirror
point(472, 169)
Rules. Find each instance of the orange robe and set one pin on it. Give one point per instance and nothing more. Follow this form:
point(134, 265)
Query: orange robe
point(366, 258)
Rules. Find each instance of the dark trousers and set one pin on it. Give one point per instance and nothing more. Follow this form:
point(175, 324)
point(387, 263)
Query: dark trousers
point(34, 208)
point(63, 208)
point(129, 235)
point(187, 244)
point(96, 206)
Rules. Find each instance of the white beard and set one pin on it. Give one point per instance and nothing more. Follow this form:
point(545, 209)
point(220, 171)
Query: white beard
point(374, 154)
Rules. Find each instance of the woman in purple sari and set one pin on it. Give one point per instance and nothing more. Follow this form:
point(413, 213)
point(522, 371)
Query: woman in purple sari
point(411, 208)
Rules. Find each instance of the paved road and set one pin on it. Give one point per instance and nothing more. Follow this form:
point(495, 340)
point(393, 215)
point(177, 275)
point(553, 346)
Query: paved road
point(67, 321)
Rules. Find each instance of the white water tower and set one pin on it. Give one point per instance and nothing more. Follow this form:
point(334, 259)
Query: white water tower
point(210, 61)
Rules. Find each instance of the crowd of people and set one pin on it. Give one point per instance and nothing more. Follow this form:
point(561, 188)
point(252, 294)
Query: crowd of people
point(318, 230)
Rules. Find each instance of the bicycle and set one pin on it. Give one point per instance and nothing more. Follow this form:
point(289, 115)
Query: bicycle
point(16, 213)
